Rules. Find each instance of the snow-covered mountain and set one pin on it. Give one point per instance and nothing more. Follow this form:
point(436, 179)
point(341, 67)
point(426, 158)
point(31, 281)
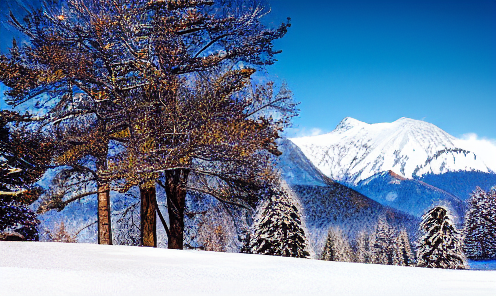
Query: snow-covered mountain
point(296, 168)
point(355, 150)
point(327, 203)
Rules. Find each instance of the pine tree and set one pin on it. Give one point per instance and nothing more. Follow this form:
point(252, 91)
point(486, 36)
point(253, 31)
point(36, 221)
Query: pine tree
point(337, 247)
point(277, 229)
point(480, 225)
point(364, 242)
point(383, 250)
point(440, 246)
point(403, 255)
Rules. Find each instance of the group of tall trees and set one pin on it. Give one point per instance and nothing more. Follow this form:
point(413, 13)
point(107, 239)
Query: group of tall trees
point(443, 246)
point(440, 244)
point(480, 225)
point(140, 93)
point(384, 246)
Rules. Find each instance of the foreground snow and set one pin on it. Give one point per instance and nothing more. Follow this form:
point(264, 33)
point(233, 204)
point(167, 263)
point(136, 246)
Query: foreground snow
point(31, 268)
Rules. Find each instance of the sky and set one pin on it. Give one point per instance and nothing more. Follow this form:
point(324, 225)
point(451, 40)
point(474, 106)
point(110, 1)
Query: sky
point(378, 61)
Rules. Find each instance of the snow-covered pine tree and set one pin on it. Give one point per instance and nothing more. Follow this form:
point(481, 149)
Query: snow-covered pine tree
point(403, 255)
point(337, 247)
point(363, 246)
point(277, 229)
point(383, 246)
point(440, 246)
point(480, 225)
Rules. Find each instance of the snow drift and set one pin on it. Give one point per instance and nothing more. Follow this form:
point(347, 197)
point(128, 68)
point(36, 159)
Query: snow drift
point(31, 268)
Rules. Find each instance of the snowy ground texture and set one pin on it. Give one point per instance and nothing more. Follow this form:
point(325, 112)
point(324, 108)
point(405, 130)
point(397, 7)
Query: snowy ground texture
point(34, 268)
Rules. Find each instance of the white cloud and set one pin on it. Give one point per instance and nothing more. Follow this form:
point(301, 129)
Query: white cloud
point(304, 132)
point(482, 147)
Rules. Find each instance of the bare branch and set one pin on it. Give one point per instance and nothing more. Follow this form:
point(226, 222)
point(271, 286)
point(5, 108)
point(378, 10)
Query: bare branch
point(216, 196)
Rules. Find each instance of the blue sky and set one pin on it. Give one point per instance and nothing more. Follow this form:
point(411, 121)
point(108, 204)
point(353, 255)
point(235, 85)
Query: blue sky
point(380, 60)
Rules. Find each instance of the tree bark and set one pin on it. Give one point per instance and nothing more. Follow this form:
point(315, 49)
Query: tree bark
point(175, 188)
point(104, 224)
point(104, 218)
point(148, 215)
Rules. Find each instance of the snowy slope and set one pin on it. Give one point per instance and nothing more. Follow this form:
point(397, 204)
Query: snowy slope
point(356, 150)
point(326, 203)
point(296, 168)
point(29, 268)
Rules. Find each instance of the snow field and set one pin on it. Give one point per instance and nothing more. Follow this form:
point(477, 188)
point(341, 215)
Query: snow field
point(34, 268)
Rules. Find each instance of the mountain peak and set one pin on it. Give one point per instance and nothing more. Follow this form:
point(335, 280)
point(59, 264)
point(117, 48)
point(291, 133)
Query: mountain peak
point(348, 123)
point(412, 122)
point(356, 150)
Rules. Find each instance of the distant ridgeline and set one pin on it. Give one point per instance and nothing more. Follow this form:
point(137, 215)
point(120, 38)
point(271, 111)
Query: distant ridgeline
point(462, 183)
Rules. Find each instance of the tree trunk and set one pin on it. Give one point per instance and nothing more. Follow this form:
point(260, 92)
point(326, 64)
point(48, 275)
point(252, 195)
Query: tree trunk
point(104, 218)
point(104, 224)
point(148, 215)
point(176, 202)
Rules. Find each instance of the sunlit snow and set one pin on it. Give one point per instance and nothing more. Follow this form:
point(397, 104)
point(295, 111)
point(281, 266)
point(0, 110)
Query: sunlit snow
point(33, 268)
point(356, 150)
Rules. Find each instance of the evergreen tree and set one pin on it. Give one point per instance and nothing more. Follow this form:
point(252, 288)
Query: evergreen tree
point(277, 229)
point(364, 242)
point(403, 255)
point(383, 250)
point(480, 225)
point(440, 246)
point(337, 247)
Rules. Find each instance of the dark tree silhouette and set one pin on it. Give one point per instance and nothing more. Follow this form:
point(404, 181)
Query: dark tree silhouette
point(277, 229)
point(480, 225)
point(24, 157)
point(440, 246)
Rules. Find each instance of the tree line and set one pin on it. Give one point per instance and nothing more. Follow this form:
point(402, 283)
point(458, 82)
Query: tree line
point(279, 230)
point(439, 245)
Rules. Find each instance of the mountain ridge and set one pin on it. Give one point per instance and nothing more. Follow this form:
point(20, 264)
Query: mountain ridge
point(355, 150)
point(411, 196)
